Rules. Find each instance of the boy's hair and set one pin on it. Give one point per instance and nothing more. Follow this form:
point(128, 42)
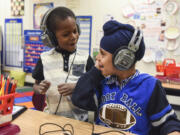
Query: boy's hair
point(58, 14)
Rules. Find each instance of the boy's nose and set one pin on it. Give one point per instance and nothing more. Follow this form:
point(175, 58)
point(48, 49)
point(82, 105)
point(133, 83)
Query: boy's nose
point(74, 36)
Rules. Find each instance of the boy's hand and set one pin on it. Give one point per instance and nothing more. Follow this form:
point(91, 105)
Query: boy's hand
point(66, 88)
point(43, 86)
point(174, 133)
point(97, 64)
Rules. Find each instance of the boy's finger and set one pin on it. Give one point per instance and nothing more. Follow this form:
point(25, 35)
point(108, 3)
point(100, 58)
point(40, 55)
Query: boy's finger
point(45, 82)
point(45, 85)
point(62, 90)
point(67, 93)
point(42, 92)
point(42, 87)
point(61, 85)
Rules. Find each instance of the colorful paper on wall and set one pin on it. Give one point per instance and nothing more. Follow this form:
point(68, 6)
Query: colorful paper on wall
point(17, 7)
point(13, 42)
point(33, 47)
point(39, 10)
point(84, 42)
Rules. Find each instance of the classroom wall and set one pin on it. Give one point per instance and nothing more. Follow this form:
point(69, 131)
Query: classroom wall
point(98, 9)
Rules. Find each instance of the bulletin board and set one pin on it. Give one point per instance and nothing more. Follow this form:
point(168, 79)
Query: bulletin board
point(159, 22)
point(13, 42)
point(17, 7)
point(84, 42)
point(33, 47)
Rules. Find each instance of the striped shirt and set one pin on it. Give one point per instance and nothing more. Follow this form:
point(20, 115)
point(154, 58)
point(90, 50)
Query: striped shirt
point(122, 84)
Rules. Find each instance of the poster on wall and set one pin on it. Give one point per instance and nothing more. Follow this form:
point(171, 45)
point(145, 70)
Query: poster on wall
point(17, 7)
point(39, 10)
point(84, 42)
point(148, 15)
point(13, 42)
point(33, 47)
point(158, 19)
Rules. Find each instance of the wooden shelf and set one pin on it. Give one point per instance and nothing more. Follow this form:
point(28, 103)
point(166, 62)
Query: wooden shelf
point(171, 86)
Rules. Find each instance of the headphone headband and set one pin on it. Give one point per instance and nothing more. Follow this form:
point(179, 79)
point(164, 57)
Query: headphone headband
point(43, 26)
point(135, 41)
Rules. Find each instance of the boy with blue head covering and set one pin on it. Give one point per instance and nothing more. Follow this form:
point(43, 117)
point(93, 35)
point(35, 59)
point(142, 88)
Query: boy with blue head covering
point(125, 98)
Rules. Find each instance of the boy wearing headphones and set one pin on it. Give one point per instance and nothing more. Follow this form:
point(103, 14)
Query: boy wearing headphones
point(125, 99)
point(58, 69)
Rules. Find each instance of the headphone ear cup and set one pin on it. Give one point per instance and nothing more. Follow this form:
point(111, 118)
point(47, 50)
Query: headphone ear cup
point(49, 39)
point(123, 58)
point(78, 29)
point(46, 40)
point(52, 38)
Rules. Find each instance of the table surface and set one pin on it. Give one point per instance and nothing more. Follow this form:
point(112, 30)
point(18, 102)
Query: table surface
point(171, 86)
point(30, 121)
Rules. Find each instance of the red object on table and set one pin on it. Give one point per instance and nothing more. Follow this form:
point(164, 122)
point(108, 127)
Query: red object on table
point(169, 68)
point(6, 107)
point(10, 129)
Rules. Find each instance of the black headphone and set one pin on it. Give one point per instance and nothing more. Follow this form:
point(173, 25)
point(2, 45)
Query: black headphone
point(48, 37)
point(124, 57)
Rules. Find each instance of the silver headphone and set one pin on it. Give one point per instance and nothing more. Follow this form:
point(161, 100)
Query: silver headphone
point(124, 57)
point(48, 37)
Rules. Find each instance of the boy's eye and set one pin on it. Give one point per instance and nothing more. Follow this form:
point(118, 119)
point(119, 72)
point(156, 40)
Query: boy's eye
point(65, 35)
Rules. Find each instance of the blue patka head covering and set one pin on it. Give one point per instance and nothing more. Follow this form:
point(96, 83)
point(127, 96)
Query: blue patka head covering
point(117, 35)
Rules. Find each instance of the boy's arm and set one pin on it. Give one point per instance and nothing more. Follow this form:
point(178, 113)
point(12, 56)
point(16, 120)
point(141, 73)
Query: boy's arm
point(162, 116)
point(38, 75)
point(83, 94)
point(36, 85)
point(40, 86)
point(90, 63)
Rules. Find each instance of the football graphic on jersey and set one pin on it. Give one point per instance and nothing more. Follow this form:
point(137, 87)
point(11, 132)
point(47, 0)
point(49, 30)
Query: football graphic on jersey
point(116, 116)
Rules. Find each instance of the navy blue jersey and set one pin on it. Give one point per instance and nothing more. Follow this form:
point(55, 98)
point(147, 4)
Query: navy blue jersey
point(140, 107)
point(126, 109)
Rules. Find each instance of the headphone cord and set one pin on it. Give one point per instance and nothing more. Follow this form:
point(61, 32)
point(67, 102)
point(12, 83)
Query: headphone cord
point(65, 82)
point(71, 132)
point(110, 131)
